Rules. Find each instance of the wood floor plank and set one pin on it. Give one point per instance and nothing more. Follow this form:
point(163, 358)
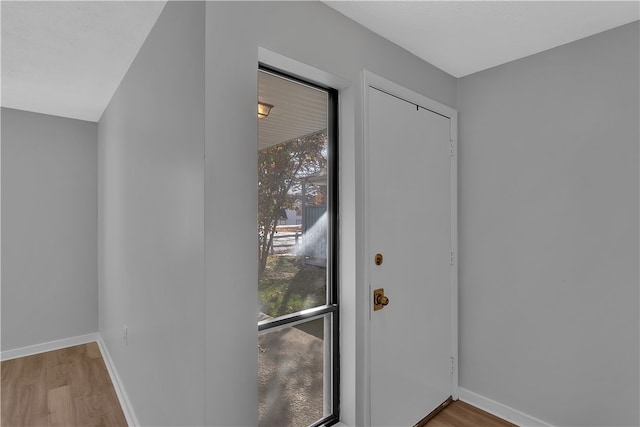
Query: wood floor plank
point(67, 387)
point(34, 397)
point(93, 351)
point(437, 422)
point(61, 407)
point(10, 373)
point(89, 411)
point(112, 413)
point(15, 414)
point(79, 383)
point(461, 414)
point(19, 376)
point(98, 373)
point(58, 365)
point(58, 375)
point(33, 368)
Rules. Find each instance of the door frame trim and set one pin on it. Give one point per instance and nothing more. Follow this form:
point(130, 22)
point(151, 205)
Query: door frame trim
point(372, 80)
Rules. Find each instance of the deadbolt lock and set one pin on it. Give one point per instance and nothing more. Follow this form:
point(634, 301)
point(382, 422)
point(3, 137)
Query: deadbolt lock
point(379, 299)
point(378, 259)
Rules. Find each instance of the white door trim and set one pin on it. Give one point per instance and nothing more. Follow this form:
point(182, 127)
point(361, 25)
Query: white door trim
point(371, 80)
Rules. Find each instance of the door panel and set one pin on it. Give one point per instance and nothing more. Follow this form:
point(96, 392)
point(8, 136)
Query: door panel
point(410, 225)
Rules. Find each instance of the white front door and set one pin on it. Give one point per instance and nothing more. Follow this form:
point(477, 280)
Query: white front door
point(409, 224)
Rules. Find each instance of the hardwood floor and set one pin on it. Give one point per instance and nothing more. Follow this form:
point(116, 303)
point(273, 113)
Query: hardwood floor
point(460, 414)
point(67, 387)
point(72, 387)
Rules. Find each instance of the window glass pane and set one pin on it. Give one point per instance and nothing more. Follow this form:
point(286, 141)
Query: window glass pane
point(294, 366)
point(292, 197)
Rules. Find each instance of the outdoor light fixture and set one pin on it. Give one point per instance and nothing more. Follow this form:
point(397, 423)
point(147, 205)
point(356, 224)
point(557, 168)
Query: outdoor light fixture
point(264, 110)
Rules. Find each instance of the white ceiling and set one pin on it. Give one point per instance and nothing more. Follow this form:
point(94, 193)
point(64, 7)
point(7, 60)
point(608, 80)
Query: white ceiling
point(462, 37)
point(298, 110)
point(67, 58)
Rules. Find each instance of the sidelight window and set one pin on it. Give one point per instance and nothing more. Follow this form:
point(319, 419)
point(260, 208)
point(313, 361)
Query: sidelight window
point(297, 249)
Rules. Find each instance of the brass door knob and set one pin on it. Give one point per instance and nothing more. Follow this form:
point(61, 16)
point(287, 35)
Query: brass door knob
point(379, 299)
point(382, 299)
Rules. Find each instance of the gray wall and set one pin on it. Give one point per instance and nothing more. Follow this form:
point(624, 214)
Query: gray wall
point(548, 223)
point(49, 238)
point(549, 232)
point(192, 320)
point(151, 226)
point(316, 35)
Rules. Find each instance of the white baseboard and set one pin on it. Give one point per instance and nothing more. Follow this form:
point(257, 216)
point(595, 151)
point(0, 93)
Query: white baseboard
point(48, 346)
point(500, 410)
point(125, 403)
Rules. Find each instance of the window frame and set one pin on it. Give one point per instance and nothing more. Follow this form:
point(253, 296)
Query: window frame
point(331, 303)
